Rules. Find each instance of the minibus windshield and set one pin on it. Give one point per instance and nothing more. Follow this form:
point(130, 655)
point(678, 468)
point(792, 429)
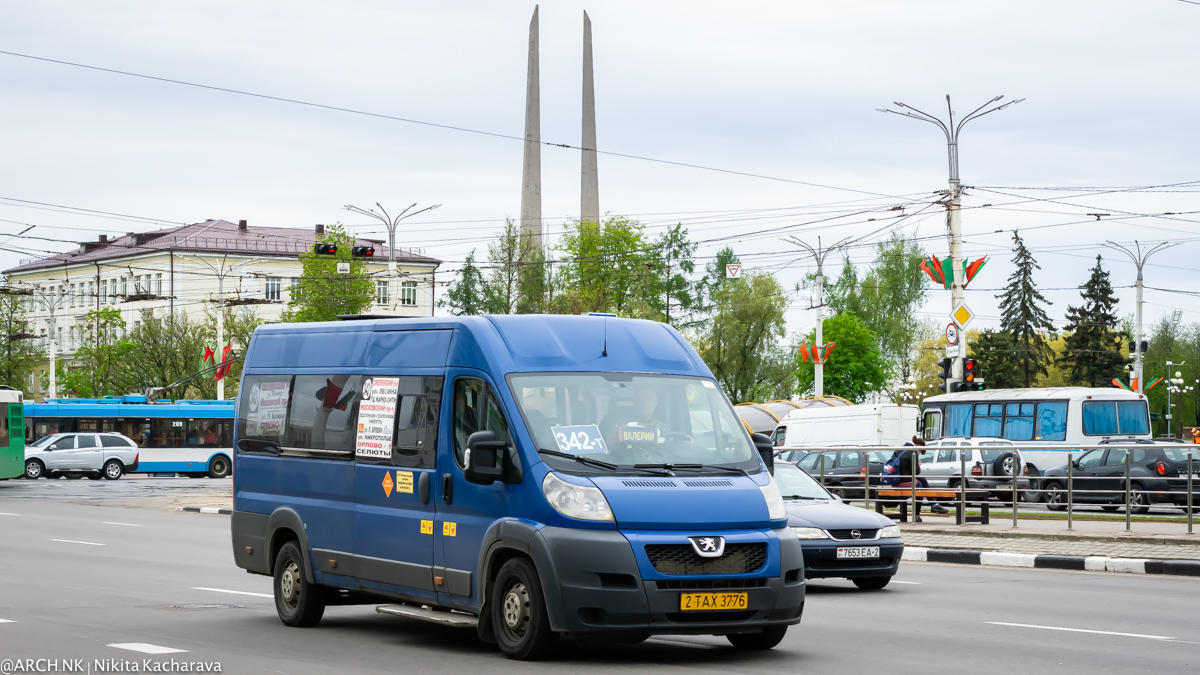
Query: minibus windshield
point(629, 419)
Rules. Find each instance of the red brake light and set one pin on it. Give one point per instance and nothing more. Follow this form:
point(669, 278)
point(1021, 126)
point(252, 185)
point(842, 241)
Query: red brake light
point(1160, 467)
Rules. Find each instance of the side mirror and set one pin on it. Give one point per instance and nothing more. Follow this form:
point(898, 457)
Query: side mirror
point(766, 450)
point(484, 458)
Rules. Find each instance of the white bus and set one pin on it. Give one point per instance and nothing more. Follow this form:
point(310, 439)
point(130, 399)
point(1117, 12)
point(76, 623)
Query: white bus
point(1038, 421)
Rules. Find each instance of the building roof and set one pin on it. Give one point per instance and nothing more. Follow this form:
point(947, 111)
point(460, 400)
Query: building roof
point(210, 236)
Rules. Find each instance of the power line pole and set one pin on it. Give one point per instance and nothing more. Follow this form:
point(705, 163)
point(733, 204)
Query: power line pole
point(52, 302)
point(819, 255)
point(1139, 260)
point(221, 270)
point(954, 204)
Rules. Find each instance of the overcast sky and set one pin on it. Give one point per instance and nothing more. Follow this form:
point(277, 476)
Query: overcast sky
point(783, 90)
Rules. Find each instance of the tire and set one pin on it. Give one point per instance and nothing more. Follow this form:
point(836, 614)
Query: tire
point(838, 492)
point(768, 638)
point(113, 469)
point(1055, 496)
point(1005, 465)
point(298, 603)
point(1139, 501)
point(519, 617)
point(871, 583)
point(219, 467)
point(34, 469)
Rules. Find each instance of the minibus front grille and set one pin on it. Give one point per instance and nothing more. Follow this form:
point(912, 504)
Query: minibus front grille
point(681, 559)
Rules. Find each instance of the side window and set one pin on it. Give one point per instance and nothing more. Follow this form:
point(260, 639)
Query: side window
point(166, 433)
point(136, 429)
point(945, 455)
point(933, 425)
point(1116, 457)
point(64, 443)
point(1091, 459)
point(780, 436)
point(323, 414)
point(1132, 417)
point(989, 419)
point(1051, 421)
point(1099, 418)
point(475, 409)
point(411, 429)
point(263, 407)
point(958, 419)
point(85, 441)
point(1018, 422)
point(1139, 455)
point(114, 442)
point(809, 461)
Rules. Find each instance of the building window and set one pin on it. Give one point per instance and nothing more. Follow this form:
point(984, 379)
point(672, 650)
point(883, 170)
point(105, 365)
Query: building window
point(71, 333)
point(72, 295)
point(103, 291)
point(125, 286)
point(44, 339)
point(60, 340)
point(408, 293)
point(381, 292)
point(158, 284)
point(112, 290)
point(274, 288)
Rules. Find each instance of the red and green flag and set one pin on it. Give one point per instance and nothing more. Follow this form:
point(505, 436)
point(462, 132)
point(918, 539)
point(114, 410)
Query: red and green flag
point(941, 270)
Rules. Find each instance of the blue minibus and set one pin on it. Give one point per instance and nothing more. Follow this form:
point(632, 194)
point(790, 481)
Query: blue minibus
point(525, 476)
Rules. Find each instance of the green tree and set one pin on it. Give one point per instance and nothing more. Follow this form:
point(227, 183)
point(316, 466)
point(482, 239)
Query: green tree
point(465, 295)
point(1022, 316)
point(606, 268)
point(680, 301)
point(239, 327)
point(857, 367)
point(100, 367)
point(1094, 347)
point(322, 293)
point(996, 353)
point(746, 324)
point(19, 354)
point(714, 277)
point(168, 349)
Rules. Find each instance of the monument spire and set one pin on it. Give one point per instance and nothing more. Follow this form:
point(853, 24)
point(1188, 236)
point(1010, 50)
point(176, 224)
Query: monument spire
point(531, 172)
point(590, 188)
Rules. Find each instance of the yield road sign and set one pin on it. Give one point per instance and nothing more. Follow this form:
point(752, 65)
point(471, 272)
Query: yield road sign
point(962, 315)
point(733, 271)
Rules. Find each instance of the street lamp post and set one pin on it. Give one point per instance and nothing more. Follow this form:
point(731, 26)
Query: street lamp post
point(1139, 259)
point(390, 223)
point(220, 270)
point(52, 301)
point(1173, 385)
point(954, 202)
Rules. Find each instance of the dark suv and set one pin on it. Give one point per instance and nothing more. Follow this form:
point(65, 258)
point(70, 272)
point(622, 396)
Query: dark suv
point(844, 469)
point(1157, 475)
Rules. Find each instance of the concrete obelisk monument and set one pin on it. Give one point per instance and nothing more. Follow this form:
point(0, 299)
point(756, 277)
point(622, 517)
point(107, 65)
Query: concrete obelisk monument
point(531, 172)
point(590, 187)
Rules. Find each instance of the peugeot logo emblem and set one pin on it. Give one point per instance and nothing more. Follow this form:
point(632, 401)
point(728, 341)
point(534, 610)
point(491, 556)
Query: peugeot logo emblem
point(708, 547)
point(856, 534)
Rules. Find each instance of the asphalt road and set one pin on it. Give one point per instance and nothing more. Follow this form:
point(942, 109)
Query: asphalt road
point(78, 578)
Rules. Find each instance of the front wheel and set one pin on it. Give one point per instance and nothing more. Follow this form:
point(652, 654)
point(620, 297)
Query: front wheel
point(519, 612)
point(768, 638)
point(113, 469)
point(1056, 499)
point(218, 467)
point(871, 583)
point(299, 603)
point(34, 469)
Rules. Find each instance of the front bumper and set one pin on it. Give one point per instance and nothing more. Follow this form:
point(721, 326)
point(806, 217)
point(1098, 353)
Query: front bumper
point(821, 561)
point(593, 582)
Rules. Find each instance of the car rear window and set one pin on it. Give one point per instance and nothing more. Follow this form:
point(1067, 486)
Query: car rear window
point(1180, 455)
point(114, 442)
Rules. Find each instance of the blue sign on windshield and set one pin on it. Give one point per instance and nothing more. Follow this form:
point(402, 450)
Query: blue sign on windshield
point(583, 439)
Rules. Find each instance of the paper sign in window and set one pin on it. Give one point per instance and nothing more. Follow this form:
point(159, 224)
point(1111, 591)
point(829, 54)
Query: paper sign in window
point(583, 439)
point(376, 417)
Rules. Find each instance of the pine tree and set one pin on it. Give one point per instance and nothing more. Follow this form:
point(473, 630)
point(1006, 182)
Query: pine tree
point(466, 295)
point(1022, 317)
point(996, 354)
point(1093, 349)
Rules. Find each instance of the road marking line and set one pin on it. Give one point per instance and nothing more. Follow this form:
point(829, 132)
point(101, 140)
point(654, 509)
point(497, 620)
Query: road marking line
point(125, 524)
point(7, 621)
point(913, 583)
point(5, 513)
point(146, 648)
point(223, 590)
point(72, 541)
point(1081, 630)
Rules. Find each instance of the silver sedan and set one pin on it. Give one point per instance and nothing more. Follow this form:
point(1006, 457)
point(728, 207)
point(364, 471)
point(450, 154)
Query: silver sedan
point(95, 455)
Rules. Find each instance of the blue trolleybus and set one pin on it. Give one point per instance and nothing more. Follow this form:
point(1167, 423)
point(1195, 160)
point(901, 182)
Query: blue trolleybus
point(528, 476)
point(190, 437)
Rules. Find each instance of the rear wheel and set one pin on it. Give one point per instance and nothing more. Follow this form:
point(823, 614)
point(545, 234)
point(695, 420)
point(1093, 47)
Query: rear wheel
point(218, 467)
point(768, 638)
point(113, 469)
point(299, 603)
point(522, 626)
point(871, 583)
point(34, 469)
point(1139, 501)
point(1056, 498)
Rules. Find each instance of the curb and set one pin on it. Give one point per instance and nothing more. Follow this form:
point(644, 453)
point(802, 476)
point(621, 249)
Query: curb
point(1096, 563)
point(1132, 538)
point(208, 509)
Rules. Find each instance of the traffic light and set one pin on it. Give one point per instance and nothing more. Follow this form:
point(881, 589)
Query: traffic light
point(944, 372)
point(1133, 347)
point(325, 249)
point(972, 380)
point(363, 251)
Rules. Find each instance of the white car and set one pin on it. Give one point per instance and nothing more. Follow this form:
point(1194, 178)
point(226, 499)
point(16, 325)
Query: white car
point(990, 466)
point(95, 455)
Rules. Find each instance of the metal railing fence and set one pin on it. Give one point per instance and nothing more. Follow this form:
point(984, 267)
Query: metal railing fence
point(1120, 487)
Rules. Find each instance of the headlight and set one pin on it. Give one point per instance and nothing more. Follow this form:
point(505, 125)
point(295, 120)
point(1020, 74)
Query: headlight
point(889, 532)
point(575, 501)
point(775, 508)
point(810, 533)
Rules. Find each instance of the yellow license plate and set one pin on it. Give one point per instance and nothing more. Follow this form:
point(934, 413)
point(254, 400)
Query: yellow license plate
point(693, 602)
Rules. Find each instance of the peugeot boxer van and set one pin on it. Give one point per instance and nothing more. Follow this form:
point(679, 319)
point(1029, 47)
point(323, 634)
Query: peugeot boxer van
point(527, 477)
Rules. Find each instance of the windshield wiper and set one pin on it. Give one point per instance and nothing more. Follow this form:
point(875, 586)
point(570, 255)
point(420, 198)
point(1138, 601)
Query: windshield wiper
point(695, 467)
point(802, 497)
point(600, 464)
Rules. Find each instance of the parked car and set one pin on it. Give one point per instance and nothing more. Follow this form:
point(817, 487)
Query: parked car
point(98, 455)
point(838, 540)
point(991, 466)
point(844, 469)
point(1157, 474)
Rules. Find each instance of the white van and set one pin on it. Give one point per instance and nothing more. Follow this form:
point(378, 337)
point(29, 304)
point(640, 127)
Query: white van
point(849, 426)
